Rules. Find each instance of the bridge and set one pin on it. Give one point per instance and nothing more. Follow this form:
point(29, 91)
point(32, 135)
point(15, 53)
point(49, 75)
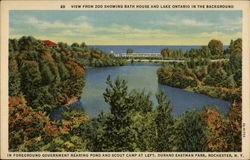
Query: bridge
point(138, 55)
point(169, 60)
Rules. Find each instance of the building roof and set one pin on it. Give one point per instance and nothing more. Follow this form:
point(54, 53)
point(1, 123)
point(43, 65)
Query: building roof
point(49, 43)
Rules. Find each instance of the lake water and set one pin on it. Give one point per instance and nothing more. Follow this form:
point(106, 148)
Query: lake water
point(140, 77)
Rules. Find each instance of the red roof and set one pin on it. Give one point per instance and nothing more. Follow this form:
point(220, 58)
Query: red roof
point(49, 43)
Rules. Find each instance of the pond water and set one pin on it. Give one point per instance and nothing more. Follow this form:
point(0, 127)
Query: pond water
point(141, 76)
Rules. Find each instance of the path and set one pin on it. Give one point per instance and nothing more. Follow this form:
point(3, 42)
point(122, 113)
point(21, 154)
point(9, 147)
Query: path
point(168, 60)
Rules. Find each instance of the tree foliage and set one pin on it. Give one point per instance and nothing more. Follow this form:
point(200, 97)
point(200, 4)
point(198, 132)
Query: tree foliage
point(42, 79)
point(130, 51)
point(216, 47)
point(190, 133)
point(164, 123)
point(168, 53)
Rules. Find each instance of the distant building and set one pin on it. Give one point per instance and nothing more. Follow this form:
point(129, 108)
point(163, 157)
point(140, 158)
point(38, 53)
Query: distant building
point(49, 43)
point(139, 55)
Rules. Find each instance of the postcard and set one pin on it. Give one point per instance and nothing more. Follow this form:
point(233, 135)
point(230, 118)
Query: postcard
point(125, 80)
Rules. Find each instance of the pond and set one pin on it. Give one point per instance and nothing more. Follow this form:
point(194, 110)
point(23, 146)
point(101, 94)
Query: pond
point(141, 76)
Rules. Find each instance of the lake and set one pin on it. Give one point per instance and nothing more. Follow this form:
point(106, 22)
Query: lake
point(140, 76)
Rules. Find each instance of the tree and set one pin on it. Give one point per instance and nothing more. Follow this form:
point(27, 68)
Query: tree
point(216, 77)
point(236, 46)
point(145, 131)
point(215, 46)
point(29, 43)
point(235, 127)
point(176, 76)
point(235, 62)
point(190, 133)
point(116, 134)
point(164, 123)
point(62, 45)
point(83, 44)
point(47, 75)
point(64, 73)
point(165, 52)
point(14, 78)
point(229, 82)
point(238, 78)
point(13, 45)
point(75, 45)
point(31, 76)
point(130, 51)
point(29, 130)
point(217, 124)
point(141, 101)
point(205, 52)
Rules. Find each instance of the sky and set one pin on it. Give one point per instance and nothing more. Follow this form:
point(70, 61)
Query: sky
point(127, 27)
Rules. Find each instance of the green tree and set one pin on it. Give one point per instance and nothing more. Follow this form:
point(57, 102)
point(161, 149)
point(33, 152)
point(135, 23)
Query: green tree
point(116, 134)
point(83, 44)
point(235, 127)
point(140, 101)
point(29, 43)
point(13, 45)
point(164, 123)
point(14, 78)
point(62, 45)
point(64, 73)
point(145, 131)
point(205, 52)
point(47, 76)
point(215, 46)
point(238, 78)
point(190, 133)
point(165, 52)
point(31, 76)
point(235, 46)
point(130, 51)
point(75, 45)
point(229, 82)
point(216, 77)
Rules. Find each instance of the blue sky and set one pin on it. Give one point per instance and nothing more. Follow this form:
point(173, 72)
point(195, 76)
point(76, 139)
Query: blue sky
point(159, 27)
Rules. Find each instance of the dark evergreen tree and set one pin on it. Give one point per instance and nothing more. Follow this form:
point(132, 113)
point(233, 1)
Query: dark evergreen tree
point(164, 123)
point(75, 45)
point(83, 44)
point(47, 76)
point(62, 45)
point(116, 134)
point(165, 52)
point(190, 133)
point(14, 78)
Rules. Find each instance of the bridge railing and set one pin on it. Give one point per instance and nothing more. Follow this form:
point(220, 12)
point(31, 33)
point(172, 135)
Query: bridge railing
point(138, 55)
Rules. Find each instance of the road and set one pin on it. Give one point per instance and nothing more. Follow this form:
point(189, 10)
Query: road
point(168, 60)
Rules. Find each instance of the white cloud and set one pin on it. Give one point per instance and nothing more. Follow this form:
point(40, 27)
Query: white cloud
point(65, 33)
point(229, 27)
point(192, 22)
point(32, 20)
point(231, 21)
point(57, 24)
point(224, 37)
point(212, 34)
point(79, 29)
point(183, 22)
point(219, 34)
point(81, 18)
